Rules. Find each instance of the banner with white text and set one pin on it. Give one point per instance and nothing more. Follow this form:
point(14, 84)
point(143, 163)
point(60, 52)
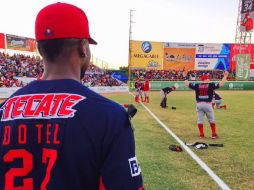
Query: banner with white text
point(212, 57)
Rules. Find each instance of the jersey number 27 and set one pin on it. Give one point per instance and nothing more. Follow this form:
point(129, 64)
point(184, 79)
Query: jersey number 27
point(27, 159)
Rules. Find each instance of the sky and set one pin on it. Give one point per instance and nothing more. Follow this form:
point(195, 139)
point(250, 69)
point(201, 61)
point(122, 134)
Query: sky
point(195, 21)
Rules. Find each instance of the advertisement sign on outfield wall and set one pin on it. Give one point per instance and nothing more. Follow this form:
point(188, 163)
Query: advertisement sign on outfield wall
point(235, 50)
point(179, 56)
point(7, 92)
point(252, 72)
point(147, 55)
point(20, 43)
point(242, 67)
point(233, 85)
point(212, 57)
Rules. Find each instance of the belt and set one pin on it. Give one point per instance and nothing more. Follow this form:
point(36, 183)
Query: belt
point(204, 102)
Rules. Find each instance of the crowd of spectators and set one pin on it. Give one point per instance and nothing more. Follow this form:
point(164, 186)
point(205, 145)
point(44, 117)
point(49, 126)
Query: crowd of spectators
point(17, 66)
point(96, 76)
point(173, 75)
point(100, 80)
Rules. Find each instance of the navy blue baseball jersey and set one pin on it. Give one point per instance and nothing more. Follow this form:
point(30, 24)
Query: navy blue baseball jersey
point(138, 85)
point(59, 135)
point(167, 90)
point(204, 91)
point(216, 96)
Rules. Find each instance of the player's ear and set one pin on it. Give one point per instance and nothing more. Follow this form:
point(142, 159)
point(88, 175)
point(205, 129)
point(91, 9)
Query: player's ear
point(83, 48)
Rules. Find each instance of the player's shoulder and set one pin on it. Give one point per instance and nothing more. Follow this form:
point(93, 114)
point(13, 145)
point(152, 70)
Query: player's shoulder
point(102, 111)
point(99, 99)
point(95, 103)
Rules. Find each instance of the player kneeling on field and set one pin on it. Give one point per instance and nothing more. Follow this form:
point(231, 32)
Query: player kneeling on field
point(163, 93)
point(204, 95)
point(217, 101)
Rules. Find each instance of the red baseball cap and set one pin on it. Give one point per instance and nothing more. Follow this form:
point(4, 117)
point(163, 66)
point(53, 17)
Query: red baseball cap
point(205, 77)
point(62, 20)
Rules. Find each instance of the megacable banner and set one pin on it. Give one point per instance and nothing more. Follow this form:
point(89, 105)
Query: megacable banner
point(146, 54)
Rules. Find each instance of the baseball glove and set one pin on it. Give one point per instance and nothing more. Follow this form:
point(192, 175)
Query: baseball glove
point(132, 110)
point(175, 148)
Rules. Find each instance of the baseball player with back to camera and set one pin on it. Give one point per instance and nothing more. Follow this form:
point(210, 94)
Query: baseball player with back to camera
point(204, 95)
point(163, 93)
point(56, 134)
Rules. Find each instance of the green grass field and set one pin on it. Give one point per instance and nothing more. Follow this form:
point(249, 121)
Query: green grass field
point(163, 169)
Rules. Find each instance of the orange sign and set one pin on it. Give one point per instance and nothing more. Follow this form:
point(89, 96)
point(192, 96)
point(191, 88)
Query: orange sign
point(179, 58)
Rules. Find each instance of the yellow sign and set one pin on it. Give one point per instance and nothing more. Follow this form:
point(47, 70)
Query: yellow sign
point(147, 55)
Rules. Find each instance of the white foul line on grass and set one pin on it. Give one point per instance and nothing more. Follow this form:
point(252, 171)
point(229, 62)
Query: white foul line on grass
point(190, 152)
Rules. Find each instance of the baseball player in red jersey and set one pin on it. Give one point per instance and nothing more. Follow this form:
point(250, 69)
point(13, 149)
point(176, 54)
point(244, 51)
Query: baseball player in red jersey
point(146, 90)
point(247, 22)
point(204, 95)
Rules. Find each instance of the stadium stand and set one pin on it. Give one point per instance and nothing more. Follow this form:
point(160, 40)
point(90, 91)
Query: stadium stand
point(96, 76)
point(16, 66)
point(173, 75)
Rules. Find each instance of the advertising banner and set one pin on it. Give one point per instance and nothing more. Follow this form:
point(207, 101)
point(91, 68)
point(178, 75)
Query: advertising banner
point(252, 72)
point(179, 45)
point(243, 67)
point(235, 50)
point(20, 43)
point(247, 6)
point(108, 89)
point(179, 56)
point(2, 41)
point(212, 57)
point(7, 92)
point(147, 55)
point(158, 85)
point(247, 16)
